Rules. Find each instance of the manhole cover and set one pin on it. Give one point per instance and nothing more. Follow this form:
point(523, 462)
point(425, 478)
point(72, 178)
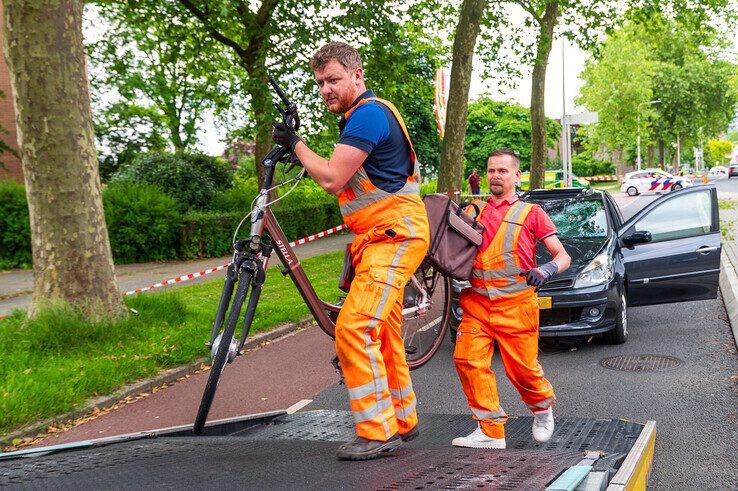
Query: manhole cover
point(641, 363)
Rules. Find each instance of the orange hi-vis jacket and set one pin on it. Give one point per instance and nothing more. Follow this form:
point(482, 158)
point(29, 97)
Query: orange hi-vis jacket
point(361, 202)
point(495, 270)
point(391, 241)
point(500, 308)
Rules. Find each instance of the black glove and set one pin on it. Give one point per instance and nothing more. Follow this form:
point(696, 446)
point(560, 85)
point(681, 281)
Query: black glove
point(285, 136)
point(539, 276)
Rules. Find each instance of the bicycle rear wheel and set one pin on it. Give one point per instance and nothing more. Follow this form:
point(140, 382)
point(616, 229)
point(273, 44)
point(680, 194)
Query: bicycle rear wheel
point(423, 330)
point(226, 347)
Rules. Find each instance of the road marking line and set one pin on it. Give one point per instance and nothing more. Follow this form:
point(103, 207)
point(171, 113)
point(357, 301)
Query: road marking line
point(298, 405)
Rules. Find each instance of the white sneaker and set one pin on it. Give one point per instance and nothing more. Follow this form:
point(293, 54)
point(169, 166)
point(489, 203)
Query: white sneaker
point(543, 425)
point(478, 440)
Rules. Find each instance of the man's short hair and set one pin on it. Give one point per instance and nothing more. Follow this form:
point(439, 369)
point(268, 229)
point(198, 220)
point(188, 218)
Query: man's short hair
point(336, 50)
point(506, 151)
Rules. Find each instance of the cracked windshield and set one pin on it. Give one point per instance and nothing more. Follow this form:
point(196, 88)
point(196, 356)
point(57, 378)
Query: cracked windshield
point(577, 219)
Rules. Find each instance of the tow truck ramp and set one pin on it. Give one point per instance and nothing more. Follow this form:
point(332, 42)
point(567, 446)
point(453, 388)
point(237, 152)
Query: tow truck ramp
point(279, 450)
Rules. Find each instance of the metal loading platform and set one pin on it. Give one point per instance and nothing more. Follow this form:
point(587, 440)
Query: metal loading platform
point(297, 451)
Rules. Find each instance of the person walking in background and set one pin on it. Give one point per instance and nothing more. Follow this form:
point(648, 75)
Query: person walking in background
point(502, 307)
point(474, 182)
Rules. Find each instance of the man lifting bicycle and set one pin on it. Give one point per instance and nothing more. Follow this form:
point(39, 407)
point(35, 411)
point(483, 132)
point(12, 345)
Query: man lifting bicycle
point(374, 172)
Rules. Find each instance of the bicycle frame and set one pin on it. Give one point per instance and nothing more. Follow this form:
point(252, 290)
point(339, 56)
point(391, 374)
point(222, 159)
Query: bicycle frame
point(264, 222)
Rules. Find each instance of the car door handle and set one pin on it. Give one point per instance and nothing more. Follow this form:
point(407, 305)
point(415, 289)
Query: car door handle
point(706, 249)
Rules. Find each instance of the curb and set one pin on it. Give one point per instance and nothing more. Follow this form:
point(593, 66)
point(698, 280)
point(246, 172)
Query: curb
point(636, 468)
point(137, 388)
point(729, 291)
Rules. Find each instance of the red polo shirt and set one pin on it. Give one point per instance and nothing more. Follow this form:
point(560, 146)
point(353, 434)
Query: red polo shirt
point(536, 227)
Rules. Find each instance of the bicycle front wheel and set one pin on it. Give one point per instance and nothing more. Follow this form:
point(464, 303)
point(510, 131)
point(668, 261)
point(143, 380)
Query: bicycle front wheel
point(424, 324)
point(227, 344)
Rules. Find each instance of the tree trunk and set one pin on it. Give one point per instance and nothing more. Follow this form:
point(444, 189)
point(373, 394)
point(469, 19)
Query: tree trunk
point(650, 155)
point(71, 252)
point(538, 88)
point(452, 153)
point(662, 157)
point(261, 105)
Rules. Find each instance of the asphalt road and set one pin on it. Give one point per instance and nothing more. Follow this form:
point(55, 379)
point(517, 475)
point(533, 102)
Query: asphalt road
point(694, 405)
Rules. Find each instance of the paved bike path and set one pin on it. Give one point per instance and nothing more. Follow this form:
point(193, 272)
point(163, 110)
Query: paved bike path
point(272, 377)
point(16, 286)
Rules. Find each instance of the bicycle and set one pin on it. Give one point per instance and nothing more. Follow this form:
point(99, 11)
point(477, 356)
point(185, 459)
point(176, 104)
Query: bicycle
point(426, 301)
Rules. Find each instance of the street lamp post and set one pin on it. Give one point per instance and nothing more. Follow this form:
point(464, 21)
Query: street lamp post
point(638, 120)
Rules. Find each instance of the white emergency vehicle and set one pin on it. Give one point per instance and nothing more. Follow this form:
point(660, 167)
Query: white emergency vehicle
point(654, 181)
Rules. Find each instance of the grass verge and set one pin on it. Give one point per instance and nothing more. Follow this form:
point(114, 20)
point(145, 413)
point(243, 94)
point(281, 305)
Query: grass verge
point(59, 360)
point(605, 185)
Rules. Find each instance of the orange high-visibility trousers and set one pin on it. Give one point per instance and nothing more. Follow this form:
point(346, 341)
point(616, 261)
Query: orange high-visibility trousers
point(511, 322)
point(368, 329)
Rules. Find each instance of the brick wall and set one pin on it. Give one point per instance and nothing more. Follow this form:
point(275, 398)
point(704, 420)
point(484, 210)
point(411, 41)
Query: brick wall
point(11, 165)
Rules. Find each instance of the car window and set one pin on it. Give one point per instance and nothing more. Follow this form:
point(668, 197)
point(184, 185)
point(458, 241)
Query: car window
point(679, 217)
point(578, 219)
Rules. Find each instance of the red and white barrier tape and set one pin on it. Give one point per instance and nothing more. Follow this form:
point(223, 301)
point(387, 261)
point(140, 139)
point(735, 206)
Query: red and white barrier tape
point(620, 178)
point(191, 276)
point(601, 178)
point(179, 279)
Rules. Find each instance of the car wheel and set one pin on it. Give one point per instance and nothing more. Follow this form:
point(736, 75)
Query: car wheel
point(619, 334)
point(676, 187)
point(632, 191)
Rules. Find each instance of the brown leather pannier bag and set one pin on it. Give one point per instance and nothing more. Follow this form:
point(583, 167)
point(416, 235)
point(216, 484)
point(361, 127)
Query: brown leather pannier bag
point(454, 237)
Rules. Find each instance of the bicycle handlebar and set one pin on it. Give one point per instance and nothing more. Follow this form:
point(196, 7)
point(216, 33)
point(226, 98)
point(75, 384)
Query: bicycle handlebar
point(289, 112)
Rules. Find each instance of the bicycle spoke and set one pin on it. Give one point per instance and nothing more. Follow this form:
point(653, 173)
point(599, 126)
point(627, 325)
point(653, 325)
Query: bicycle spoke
point(423, 329)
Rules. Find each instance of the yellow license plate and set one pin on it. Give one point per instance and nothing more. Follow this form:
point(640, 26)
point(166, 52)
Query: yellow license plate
point(544, 302)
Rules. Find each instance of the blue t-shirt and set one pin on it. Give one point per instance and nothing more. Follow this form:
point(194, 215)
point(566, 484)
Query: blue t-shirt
point(372, 127)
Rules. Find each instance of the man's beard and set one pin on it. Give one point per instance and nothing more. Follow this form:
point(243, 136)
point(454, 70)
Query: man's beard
point(496, 189)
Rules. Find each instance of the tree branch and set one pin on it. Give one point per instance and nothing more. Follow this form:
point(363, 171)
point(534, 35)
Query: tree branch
point(258, 35)
point(528, 7)
point(217, 35)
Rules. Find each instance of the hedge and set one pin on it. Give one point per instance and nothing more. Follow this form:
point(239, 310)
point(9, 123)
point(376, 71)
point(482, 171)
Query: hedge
point(15, 227)
point(144, 224)
point(192, 179)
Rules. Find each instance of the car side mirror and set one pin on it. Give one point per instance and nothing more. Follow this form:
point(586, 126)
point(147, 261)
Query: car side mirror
point(637, 238)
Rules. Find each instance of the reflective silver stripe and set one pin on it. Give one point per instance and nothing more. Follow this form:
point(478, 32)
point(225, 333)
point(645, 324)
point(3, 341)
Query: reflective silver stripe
point(498, 415)
point(375, 320)
point(364, 198)
point(543, 404)
point(493, 292)
point(367, 389)
point(403, 412)
point(398, 393)
point(494, 274)
point(373, 411)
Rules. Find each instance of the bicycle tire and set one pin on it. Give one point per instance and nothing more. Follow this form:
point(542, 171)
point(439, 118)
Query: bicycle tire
point(221, 356)
point(435, 325)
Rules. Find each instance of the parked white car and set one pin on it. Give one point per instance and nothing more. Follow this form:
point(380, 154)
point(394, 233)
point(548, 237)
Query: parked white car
point(654, 181)
point(717, 170)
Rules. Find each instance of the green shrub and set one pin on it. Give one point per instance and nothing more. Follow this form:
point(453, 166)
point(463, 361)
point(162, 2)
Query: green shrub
point(209, 234)
point(584, 164)
point(238, 198)
point(143, 222)
point(307, 210)
point(192, 179)
point(15, 228)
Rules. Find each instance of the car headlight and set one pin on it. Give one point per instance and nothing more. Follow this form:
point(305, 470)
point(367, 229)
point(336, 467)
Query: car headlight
point(598, 272)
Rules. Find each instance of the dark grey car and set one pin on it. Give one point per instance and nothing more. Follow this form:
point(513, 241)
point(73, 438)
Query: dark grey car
point(667, 252)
